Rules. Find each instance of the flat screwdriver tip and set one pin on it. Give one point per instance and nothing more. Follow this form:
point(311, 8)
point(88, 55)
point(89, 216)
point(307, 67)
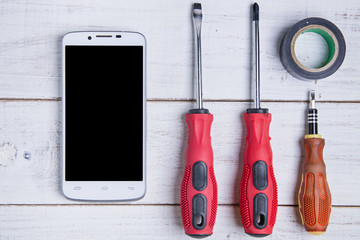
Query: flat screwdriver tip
point(197, 9)
point(312, 99)
point(255, 12)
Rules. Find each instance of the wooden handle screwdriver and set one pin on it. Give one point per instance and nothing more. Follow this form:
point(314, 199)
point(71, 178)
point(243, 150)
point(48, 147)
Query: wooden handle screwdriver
point(314, 194)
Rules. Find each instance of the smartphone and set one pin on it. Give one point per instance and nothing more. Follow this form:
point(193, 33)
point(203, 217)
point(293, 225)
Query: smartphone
point(104, 116)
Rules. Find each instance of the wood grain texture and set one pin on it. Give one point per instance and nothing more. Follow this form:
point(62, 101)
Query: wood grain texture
point(151, 222)
point(30, 48)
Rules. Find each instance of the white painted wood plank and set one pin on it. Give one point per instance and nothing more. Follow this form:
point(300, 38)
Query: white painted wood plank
point(153, 222)
point(29, 148)
point(33, 127)
point(30, 48)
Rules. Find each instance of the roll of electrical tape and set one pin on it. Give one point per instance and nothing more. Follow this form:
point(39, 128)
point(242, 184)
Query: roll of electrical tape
point(332, 36)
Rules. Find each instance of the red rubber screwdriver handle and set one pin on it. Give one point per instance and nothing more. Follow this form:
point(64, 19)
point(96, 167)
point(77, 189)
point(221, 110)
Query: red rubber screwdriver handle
point(258, 188)
point(198, 187)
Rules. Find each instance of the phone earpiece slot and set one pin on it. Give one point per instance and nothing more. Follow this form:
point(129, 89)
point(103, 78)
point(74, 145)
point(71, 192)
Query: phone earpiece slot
point(106, 36)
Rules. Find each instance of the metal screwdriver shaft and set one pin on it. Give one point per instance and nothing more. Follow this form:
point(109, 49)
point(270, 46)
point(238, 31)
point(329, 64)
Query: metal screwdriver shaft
point(312, 115)
point(197, 18)
point(256, 53)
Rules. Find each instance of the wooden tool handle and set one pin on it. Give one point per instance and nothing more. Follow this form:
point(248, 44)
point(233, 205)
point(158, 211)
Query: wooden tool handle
point(314, 194)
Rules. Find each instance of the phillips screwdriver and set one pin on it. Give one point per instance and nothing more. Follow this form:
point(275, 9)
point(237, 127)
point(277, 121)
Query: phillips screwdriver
point(198, 187)
point(314, 195)
point(258, 188)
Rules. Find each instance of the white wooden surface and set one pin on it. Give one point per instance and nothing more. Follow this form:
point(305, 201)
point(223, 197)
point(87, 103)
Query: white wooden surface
point(31, 203)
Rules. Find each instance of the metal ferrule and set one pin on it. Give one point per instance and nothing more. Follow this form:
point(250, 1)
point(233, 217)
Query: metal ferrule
point(313, 121)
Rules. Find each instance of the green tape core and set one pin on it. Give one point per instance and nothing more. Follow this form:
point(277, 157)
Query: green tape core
point(328, 39)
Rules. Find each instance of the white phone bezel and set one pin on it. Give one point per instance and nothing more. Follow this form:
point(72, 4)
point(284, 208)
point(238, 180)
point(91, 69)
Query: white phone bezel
point(103, 190)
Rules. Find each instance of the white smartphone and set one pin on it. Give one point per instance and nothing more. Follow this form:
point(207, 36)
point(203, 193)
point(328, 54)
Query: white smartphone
point(104, 116)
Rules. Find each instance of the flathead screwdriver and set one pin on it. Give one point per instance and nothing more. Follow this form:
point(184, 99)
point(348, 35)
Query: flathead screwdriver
point(198, 187)
point(258, 188)
point(314, 195)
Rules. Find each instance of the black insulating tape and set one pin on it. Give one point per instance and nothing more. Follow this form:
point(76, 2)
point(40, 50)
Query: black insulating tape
point(329, 32)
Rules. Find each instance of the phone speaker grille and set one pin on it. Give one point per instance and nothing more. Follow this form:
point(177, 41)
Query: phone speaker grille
point(104, 36)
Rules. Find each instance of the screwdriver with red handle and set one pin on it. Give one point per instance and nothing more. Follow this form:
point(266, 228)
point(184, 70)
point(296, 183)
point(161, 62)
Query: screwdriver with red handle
point(314, 195)
point(198, 187)
point(258, 188)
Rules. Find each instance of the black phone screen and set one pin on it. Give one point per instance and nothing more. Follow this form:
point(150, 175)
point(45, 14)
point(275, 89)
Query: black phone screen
point(104, 113)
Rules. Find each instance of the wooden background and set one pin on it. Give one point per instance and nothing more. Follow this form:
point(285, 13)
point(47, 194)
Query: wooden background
point(31, 203)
